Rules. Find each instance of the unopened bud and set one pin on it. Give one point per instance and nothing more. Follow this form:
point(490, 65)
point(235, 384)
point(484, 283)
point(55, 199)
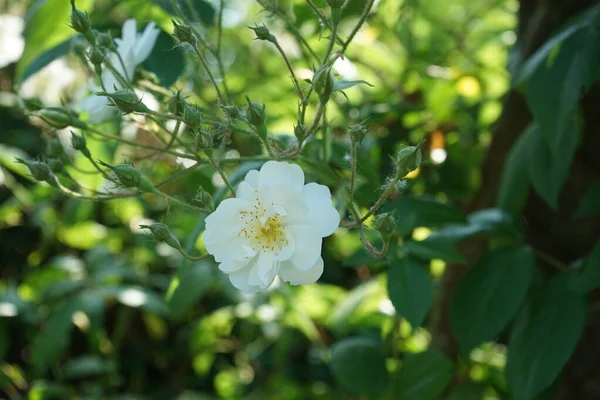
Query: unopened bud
point(323, 83)
point(162, 234)
point(358, 133)
point(56, 117)
point(255, 113)
point(105, 40)
point(385, 224)
point(79, 45)
point(54, 147)
point(408, 159)
point(80, 21)
point(176, 104)
point(192, 116)
point(130, 177)
point(97, 55)
point(300, 131)
point(232, 112)
point(203, 197)
point(39, 171)
point(263, 33)
point(78, 143)
point(126, 101)
point(183, 33)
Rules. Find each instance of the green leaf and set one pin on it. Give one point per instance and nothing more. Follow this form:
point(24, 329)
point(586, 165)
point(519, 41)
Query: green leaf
point(412, 212)
point(587, 18)
point(87, 366)
point(423, 376)
point(590, 205)
point(358, 363)
point(546, 170)
point(197, 10)
point(495, 222)
point(589, 279)
point(165, 60)
point(468, 391)
point(193, 282)
point(556, 86)
point(544, 337)
point(137, 297)
point(343, 85)
point(53, 338)
point(435, 247)
point(409, 288)
point(515, 182)
point(47, 29)
point(490, 294)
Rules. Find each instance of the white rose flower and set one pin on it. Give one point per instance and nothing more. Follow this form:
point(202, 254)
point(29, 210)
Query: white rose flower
point(11, 41)
point(274, 226)
point(133, 48)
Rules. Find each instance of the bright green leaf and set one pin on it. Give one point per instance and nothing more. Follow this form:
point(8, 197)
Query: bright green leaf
point(343, 85)
point(543, 338)
point(423, 376)
point(490, 294)
point(409, 288)
point(47, 27)
point(358, 363)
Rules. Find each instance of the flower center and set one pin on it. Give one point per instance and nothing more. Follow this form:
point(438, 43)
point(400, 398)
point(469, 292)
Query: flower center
point(262, 231)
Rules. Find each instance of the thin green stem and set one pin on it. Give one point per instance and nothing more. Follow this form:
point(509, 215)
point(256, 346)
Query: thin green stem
point(289, 66)
point(361, 21)
point(331, 42)
point(208, 72)
point(221, 173)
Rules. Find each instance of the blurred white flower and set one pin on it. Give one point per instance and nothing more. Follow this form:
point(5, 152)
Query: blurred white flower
point(49, 83)
point(133, 48)
point(345, 68)
point(11, 41)
point(274, 226)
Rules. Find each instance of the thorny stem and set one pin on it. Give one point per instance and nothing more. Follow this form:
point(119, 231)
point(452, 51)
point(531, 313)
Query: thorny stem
point(208, 72)
point(331, 42)
point(361, 21)
point(322, 18)
point(222, 173)
point(289, 66)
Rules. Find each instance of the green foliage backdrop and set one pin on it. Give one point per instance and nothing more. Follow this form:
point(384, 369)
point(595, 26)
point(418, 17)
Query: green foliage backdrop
point(458, 139)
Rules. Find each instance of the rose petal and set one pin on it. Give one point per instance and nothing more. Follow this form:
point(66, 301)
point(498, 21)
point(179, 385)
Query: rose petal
point(281, 173)
point(308, 245)
point(321, 211)
point(289, 273)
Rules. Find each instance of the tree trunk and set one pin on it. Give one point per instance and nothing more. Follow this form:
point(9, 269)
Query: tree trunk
point(552, 232)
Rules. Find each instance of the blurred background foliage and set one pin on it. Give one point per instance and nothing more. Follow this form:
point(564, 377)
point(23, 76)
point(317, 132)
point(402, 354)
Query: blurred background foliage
point(494, 247)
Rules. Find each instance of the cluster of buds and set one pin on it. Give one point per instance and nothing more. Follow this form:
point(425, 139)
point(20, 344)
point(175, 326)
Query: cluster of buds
point(130, 177)
point(256, 116)
point(192, 116)
point(162, 234)
point(80, 22)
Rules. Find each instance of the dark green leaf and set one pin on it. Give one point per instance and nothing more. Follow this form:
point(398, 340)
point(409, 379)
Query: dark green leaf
point(358, 363)
point(547, 171)
point(544, 337)
point(590, 205)
point(4, 338)
point(495, 222)
point(193, 282)
point(589, 279)
point(412, 212)
point(361, 257)
point(86, 366)
point(554, 89)
point(196, 10)
point(515, 183)
point(468, 391)
point(47, 28)
point(587, 18)
point(53, 338)
point(423, 376)
point(165, 60)
point(409, 288)
point(490, 294)
point(435, 247)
